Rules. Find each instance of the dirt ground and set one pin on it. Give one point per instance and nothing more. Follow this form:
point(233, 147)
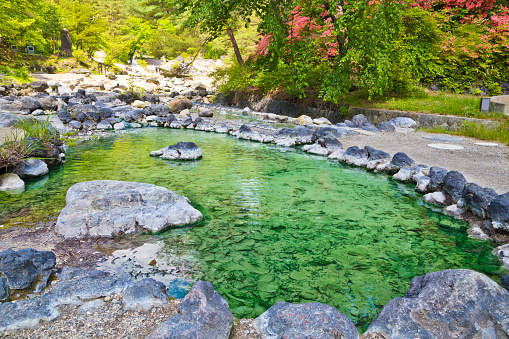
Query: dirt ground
point(483, 165)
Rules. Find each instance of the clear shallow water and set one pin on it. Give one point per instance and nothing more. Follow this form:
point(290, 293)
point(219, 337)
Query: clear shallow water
point(279, 224)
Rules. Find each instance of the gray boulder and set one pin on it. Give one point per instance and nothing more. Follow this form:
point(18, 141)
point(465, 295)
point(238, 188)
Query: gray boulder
point(104, 124)
point(4, 289)
point(179, 151)
point(134, 116)
point(107, 207)
point(105, 113)
point(145, 294)
point(403, 122)
point(159, 110)
point(88, 125)
point(446, 304)
point(29, 103)
point(355, 156)
point(38, 112)
point(32, 168)
point(326, 131)
point(203, 313)
point(324, 146)
point(454, 183)
point(400, 160)
point(302, 321)
point(477, 199)
point(505, 281)
point(39, 86)
point(498, 211)
point(23, 267)
point(437, 176)
point(48, 103)
point(7, 119)
point(74, 124)
point(73, 287)
point(386, 127)
point(299, 134)
point(358, 121)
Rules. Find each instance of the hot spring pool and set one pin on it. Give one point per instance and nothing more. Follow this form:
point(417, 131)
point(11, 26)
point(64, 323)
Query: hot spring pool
point(279, 224)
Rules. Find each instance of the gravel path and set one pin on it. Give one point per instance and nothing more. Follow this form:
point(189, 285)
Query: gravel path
point(486, 166)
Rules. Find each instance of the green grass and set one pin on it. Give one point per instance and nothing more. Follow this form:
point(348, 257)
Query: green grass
point(478, 131)
point(424, 101)
point(16, 75)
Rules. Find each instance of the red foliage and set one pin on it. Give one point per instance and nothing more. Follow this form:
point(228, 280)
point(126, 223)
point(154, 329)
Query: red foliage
point(303, 27)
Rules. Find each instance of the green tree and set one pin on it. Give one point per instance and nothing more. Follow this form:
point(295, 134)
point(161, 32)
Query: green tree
point(84, 21)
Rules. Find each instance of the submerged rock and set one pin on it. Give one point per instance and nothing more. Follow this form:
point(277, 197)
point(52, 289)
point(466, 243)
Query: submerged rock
point(108, 207)
point(203, 313)
point(300, 321)
point(179, 151)
point(446, 304)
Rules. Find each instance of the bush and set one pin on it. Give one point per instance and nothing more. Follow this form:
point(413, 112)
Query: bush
point(14, 150)
point(41, 130)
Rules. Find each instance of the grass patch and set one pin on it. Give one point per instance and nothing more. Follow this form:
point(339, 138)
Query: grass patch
point(478, 131)
point(16, 75)
point(424, 101)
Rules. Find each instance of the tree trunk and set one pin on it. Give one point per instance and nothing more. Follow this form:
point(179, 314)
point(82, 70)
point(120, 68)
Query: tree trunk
point(235, 47)
point(339, 39)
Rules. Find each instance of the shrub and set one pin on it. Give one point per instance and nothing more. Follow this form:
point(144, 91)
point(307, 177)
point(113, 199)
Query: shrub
point(14, 150)
point(41, 130)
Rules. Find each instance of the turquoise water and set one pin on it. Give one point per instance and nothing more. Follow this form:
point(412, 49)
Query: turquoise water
point(279, 224)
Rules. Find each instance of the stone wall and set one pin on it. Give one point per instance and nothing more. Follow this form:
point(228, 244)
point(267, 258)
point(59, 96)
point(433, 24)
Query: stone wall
point(377, 116)
point(374, 115)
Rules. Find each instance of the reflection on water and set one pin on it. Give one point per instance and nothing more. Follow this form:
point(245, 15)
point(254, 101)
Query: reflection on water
point(147, 261)
point(279, 224)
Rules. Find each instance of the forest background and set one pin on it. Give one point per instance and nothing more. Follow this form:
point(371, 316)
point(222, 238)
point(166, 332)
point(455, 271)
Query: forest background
point(321, 48)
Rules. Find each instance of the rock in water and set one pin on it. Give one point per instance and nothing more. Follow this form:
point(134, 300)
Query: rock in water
point(454, 183)
point(180, 151)
point(32, 168)
point(446, 304)
point(203, 313)
point(310, 320)
point(11, 182)
point(108, 207)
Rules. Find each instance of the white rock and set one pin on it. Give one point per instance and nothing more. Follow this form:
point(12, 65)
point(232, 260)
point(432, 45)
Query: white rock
point(305, 120)
point(140, 104)
point(119, 126)
point(316, 149)
point(135, 125)
point(153, 124)
point(322, 121)
point(454, 210)
point(435, 198)
point(11, 182)
point(246, 111)
point(184, 113)
point(285, 142)
point(422, 184)
point(338, 154)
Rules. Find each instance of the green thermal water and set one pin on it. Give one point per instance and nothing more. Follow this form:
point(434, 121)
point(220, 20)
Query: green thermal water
point(279, 224)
